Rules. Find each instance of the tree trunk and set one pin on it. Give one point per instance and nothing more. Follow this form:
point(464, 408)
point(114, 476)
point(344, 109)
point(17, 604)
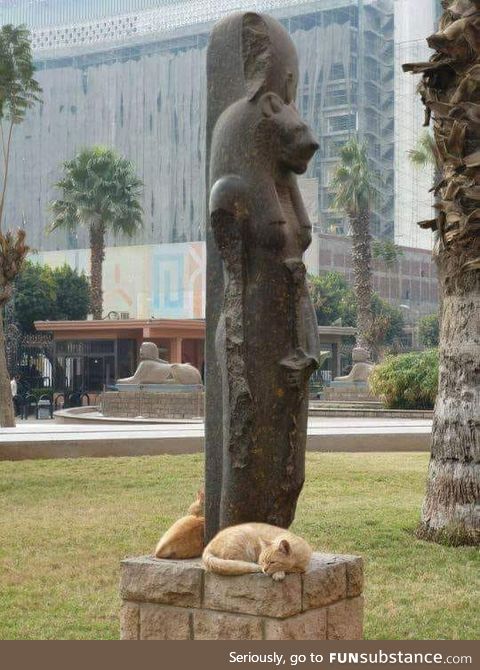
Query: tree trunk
point(362, 272)
point(450, 89)
point(97, 251)
point(451, 510)
point(7, 415)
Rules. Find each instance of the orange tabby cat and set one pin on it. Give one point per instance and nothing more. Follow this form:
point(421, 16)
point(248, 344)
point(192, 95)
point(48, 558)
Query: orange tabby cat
point(185, 538)
point(257, 547)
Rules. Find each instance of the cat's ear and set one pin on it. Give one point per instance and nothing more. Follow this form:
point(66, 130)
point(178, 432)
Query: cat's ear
point(284, 547)
point(201, 495)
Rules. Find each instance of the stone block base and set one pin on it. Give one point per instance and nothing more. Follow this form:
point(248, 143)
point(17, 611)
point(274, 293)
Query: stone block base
point(349, 393)
point(179, 600)
point(152, 405)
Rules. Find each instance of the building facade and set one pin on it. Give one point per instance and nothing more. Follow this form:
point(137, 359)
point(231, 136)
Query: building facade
point(414, 20)
point(168, 280)
point(131, 74)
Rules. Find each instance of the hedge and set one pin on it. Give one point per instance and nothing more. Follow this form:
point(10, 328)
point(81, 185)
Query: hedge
point(407, 381)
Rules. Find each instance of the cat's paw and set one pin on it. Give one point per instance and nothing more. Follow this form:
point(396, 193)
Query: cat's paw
point(278, 576)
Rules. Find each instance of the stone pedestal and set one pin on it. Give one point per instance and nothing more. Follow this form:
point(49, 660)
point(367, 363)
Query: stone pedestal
point(179, 600)
point(154, 403)
point(349, 392)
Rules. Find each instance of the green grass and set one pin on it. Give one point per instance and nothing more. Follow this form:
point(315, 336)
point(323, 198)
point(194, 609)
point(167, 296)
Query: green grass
point(65, 525)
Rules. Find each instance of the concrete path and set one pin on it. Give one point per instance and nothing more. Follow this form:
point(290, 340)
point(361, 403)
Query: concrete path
point(49, 440)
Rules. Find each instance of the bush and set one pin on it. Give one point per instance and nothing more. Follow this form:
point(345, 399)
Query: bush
point(35, 296)
point(407, 381)
point(46, 294)
point(429, 330)
point(73, 294)
point(333, 299)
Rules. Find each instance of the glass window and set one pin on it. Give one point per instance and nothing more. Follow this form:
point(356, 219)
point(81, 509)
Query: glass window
point(342, 122)
point(337, 71)
point(336, 96)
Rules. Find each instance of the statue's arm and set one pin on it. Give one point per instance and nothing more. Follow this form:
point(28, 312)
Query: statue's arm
point(135, 378)
point(237, 207)
point(228, 211)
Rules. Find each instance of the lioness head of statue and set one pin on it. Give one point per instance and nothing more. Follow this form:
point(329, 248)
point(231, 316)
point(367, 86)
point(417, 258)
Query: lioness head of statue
point(290, 140)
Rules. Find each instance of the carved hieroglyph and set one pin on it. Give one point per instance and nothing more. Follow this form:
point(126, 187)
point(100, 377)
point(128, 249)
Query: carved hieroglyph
point(262, 335)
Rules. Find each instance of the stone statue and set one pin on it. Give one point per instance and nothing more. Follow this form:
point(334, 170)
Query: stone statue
point(266, 336)
point(361, 369)
point(153, 370)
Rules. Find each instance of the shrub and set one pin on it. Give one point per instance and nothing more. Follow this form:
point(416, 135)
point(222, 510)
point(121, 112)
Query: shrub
point(43, 293)
point(35, 296)
point(333, 299)
point(407, 381)
point(429, 330)
point(73, 294)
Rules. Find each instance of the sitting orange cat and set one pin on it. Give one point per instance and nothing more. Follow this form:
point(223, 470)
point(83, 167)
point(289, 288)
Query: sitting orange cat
point(185, 538)
point(257, 547)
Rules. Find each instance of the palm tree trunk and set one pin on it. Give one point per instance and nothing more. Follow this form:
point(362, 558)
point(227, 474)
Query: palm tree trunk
point(7, 415)
point(97, 256)
point(451, 510)
point(362, 272)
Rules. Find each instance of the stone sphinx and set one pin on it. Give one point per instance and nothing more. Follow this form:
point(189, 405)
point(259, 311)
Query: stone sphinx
point(154, 370)
point(354, 386)
point(361, 369)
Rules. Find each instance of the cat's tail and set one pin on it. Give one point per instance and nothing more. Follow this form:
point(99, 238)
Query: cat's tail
point(224, 566)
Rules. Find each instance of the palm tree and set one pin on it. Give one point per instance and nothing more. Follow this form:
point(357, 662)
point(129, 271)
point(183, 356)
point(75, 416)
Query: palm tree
point(423, 154)
point(450, 88)
point(18, 92)
point(101, 191)
point(353, 187)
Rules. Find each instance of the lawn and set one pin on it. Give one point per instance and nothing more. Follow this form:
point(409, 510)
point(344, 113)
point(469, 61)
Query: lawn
point(65, 525)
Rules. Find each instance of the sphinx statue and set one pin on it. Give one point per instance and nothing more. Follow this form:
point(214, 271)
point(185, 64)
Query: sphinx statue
point(154, 370)
point(354, 386)
point(361, 368)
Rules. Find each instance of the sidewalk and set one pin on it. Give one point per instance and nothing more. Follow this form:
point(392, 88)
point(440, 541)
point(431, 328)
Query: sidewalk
point(45, 439)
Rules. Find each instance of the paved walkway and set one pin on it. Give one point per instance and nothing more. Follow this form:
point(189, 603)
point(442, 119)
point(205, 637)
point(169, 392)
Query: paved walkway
point(44, 439)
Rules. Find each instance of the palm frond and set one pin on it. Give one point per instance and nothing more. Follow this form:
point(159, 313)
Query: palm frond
point(354, 184)
point(424, 154)
point(99, 185)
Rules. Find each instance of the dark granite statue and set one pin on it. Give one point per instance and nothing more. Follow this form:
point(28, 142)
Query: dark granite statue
point(262, 336)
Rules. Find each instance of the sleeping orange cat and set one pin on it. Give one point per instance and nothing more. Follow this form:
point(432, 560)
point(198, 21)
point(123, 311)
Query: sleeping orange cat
point(257, 547)
point(185, 538)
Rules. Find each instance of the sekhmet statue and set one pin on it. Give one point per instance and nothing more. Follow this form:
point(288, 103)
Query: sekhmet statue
point(266, 336)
